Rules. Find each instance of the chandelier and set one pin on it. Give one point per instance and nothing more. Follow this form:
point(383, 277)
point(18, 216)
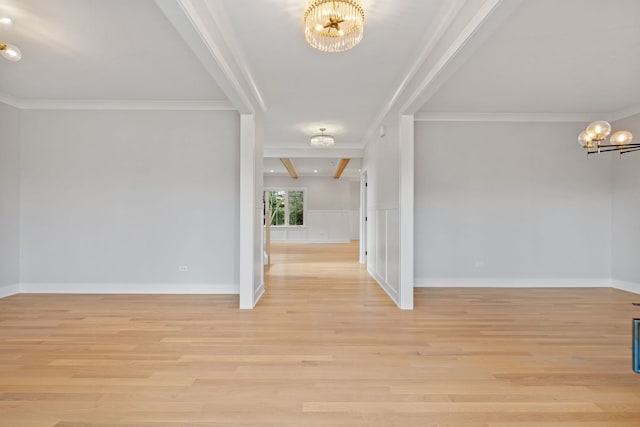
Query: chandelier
point(322, 140)
point(594, 139)
point(333, 25)
point(9, 51)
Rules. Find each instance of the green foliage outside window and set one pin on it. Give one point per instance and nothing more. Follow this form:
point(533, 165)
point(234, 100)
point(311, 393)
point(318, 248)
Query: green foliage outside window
point(296, 208)
point(286, 207)
point(277, 207)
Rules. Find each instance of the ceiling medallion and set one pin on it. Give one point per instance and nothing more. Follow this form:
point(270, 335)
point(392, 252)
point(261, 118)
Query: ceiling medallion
point(334, 25)
point(322, 140)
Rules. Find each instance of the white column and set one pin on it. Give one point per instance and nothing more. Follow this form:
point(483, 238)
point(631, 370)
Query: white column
point(406, 211)
point(247, 210)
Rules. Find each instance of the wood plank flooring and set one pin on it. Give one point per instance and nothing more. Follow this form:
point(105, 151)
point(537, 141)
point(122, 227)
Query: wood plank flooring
point(325, 347)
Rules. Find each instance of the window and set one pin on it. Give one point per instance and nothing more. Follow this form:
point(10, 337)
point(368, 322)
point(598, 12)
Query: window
point(286, 207)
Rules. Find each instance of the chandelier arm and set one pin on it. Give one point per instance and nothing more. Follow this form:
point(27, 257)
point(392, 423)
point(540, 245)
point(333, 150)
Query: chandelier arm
point(607, 148)
point(630, 151)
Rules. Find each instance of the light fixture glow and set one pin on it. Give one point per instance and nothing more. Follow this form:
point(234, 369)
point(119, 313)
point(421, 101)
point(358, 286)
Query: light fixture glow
point(594, 139)
point(322, 140)
point(598, 131)
point(334, 25)
point(10, 52)
point(315, 171)
point(271, 171)
point(622, 137)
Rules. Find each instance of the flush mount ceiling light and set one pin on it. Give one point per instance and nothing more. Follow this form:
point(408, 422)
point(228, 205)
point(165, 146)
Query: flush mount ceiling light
point(322, 140)
point(9, 51)
point(594, 139)
point(334, 25)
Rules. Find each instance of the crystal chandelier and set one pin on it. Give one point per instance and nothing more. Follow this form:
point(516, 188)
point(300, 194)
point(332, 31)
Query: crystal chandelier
point(594, 139)
point(322, 140)
point(333, 25)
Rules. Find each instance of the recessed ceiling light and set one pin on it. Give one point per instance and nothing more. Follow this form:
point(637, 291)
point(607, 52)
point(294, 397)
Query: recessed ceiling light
point(315, 171)
point(271, 171)
point(6, 21)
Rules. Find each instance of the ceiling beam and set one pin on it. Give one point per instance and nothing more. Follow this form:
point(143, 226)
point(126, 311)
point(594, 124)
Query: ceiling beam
point(488, 18)
point(334, 153)
point(343, 164)
point(197, 25)
point(288, 164)
point(446, 47)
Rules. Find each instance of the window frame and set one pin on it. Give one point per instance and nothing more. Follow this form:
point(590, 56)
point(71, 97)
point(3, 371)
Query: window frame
point(286, 190)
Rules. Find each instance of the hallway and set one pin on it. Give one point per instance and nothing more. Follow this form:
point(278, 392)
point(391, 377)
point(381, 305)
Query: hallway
point(320, 275)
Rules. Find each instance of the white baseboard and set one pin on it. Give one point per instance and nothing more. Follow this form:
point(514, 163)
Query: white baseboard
point(312, 241)
point(129, 288)
point(393, 293)
point(8, 290)
point(258, 293)
point(502, 282)
point(626, 286)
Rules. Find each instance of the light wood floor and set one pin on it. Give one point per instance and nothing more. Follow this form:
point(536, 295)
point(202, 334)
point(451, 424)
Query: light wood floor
point(324, 347)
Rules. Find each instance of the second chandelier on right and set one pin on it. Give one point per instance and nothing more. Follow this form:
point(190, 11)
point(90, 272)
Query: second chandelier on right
point(594, 139)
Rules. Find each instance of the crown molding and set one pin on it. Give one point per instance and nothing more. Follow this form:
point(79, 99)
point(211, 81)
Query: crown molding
point(445, 16)
point(5, 98)
point(106, 104)
point(221, 18)
point(197, 25)
point(309, 153)
point(485, 22)
point(625, 113)
point(507, 117)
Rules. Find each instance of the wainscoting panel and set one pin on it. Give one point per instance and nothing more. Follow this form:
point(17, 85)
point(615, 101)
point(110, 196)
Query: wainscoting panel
point(383, 257)
point(354, 225)
point(320, 227)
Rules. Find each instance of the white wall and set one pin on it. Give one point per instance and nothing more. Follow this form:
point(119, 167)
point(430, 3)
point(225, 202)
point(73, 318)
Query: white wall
point(9, 200)
point(328, 209)
point(354, 210)
point(381, 162)
point(116, 201)
point(626, 211)
point(510, 203)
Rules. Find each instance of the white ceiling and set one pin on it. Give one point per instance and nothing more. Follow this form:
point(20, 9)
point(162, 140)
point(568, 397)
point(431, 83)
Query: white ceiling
point(308, 166)
point(110, 49)
point(569, 56)
point(305, 89)
point(539, 60)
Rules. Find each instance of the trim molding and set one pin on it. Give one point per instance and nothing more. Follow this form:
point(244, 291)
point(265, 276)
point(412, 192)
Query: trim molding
point(393, 294)
point(310, 152)
point(510, 282)
point(130, 288)
point(626, 286)
point(624, 113)
point(10, 100)
point(8, 290)
point(108, 104)
point(446, 16)
point(221, 18)
point(258, 293)
point(507, 117)
point(486, 20)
